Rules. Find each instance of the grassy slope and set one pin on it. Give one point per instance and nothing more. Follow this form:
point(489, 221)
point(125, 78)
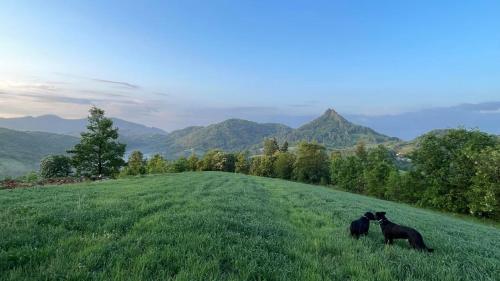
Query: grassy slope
point(215, 226)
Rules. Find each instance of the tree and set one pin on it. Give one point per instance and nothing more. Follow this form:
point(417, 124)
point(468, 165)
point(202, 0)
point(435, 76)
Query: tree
point(336, 163)
point(98, 153)
point(218, 160)
point(404, 187)
point(350, 174)
point(242, 164)
point(193, 162)
point(156, 165)
point(360, 151)
point(284, 147)
point(136, 164)
point(55, 166)
point(283, 165)
point(270, 146)
point(378, 166)
point(180, 165)
point(485, 193)
point(262, 166)
point(445, 164)
point(312, 164)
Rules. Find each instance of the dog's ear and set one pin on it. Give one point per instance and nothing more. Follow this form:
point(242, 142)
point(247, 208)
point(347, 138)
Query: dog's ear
point(382, 213)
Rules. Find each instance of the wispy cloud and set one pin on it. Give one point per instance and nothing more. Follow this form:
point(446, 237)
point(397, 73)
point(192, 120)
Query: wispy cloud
point(119, 83)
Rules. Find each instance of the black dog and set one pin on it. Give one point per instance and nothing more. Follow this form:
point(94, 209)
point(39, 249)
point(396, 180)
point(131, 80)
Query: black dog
point(361, 226)
point(395, 231)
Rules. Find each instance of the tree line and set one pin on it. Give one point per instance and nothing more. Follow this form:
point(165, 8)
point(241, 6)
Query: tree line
point(457, 170)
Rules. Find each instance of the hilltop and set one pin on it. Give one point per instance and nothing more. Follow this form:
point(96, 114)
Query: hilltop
point(223, 226)
point(333, 130)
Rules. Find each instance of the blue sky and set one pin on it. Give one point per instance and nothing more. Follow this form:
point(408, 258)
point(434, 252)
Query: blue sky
point(176, 63)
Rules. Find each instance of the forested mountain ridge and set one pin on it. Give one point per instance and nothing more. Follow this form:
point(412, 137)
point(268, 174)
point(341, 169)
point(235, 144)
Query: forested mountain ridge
point(330, 129)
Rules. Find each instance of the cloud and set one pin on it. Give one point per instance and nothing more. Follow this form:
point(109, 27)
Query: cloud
point(119, 83)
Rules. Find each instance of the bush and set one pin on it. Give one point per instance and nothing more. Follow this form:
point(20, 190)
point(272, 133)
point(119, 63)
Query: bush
point(55, 166)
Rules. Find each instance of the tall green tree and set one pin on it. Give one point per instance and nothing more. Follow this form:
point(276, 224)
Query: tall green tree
point(445, 163)
point(242, 164)
point(193, 162)
point(284, 164)
point(156, 165)
point(485, 191)
point(270, 146)
point(180, 165)
point(98, 153)
point(262, 166)
point(136, 164)
point(284, 147)
point(350, 174)
point(378, 167)
point(312, 164)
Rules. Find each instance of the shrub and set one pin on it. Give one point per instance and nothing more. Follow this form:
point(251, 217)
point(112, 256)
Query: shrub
point(55, 166)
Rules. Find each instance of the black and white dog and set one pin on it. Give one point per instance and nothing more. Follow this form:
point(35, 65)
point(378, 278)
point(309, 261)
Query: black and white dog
point(393, 231)
point(360, 226)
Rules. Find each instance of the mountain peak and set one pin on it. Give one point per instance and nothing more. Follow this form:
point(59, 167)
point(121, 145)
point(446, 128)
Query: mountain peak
point(330, 113)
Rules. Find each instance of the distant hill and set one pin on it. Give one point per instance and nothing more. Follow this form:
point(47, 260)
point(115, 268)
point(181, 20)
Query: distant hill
point(58, 125)
point(21, 152)
point(230, 135)
point(409, 125)
point(334, 131)
point(330, 129)
point(137, 136)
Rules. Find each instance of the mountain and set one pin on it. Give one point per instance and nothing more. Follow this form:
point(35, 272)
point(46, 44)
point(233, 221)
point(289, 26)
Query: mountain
point(229, 135)
point(331, 129)
point(58, 125)
point(334, 131)
point(21, 152)
point(149, 140)
point(409, 125)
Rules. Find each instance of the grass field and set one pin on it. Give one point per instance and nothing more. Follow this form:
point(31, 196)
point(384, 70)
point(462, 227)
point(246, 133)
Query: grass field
point(221, 226)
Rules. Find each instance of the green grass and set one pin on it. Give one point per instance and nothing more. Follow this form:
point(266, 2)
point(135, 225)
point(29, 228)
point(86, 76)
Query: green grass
point(220, 226)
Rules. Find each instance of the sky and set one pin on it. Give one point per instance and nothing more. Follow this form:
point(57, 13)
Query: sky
point(172, 64)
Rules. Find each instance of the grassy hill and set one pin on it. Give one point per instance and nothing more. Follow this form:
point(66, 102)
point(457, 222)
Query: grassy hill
point(21, 152)
point(334, 131)
point(221, 226)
